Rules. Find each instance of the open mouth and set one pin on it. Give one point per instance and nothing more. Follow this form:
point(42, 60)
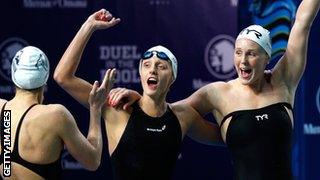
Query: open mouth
point(152, 83)
point(245, 73)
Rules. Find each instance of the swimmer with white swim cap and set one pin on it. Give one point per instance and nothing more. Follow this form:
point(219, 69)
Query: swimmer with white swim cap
point(143, 141)
point(41, 131)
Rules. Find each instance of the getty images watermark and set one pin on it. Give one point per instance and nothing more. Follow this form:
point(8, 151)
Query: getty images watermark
point(6, 142)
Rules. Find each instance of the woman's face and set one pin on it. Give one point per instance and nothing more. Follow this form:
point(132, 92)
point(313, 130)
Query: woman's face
point(250, 61)
point(156, 76)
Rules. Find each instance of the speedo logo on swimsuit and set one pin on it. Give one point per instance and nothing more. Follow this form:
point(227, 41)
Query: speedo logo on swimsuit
point(157, 130)
point(261, 117)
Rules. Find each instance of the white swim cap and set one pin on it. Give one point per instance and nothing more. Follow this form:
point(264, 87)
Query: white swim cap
point(172, 58)
point(259, 35)
point(30, 68)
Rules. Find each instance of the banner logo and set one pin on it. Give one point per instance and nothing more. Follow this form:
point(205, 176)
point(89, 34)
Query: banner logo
point(159, 2)
point(44, 4)
point(219, 57)
point(8, 49)
point(310, 128)
point(123, 57)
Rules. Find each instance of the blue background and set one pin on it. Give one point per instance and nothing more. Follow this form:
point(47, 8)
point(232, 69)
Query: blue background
point(186, 27)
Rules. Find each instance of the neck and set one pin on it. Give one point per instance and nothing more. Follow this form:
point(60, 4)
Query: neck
point(257, 86)
point(27, 97)
point(153, 107)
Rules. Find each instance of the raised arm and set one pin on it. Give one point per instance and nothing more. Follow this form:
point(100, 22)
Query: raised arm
point(64, 73)
point(87, 150)
point(292, 65)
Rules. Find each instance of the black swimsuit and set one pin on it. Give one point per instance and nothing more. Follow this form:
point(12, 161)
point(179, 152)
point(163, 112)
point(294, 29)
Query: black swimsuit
point(148, 148)
point(260, 142)
point(46, 171)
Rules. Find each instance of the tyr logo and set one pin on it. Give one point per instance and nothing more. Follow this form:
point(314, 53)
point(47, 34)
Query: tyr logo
point(262, 117)
point(257, 33)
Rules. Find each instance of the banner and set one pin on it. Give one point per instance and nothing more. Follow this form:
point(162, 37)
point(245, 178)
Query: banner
point(200, 34)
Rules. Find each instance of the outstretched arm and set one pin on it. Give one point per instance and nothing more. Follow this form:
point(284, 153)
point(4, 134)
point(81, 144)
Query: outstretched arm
point(292, 65)
point(64, 73)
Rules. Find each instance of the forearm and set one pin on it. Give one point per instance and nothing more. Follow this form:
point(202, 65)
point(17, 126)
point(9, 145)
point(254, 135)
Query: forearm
point(94, 134)
point(206, 133)
point(307, 12)
point(214, 134)
point(203, 131)
point(292, 66)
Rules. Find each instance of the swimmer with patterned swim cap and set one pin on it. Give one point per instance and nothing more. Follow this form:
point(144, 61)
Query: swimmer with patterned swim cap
point(39, 132)
point(144, 140)
point(259, 35)
point(254, 111)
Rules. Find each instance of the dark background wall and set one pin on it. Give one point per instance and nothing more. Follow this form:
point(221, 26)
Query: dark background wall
point(201, 35)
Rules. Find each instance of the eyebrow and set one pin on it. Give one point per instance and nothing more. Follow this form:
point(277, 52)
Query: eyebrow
point(248, 49)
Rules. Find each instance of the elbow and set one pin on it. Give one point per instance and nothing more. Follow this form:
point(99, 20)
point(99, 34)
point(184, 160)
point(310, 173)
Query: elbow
point(57, 77)
point(60, 78)
point(94, 165)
